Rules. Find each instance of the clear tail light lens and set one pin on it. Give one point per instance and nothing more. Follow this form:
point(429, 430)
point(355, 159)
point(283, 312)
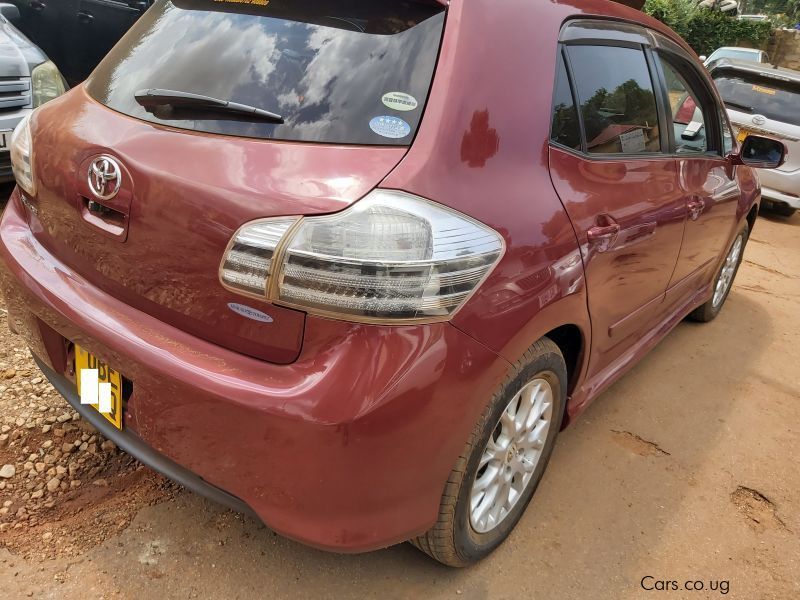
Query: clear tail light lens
point(391, 256)
point(248, 261)
point(22, 156)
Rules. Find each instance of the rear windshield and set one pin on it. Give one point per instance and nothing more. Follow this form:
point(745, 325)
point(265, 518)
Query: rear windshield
point(337, 71)
point(736, 54)
point(749, 93)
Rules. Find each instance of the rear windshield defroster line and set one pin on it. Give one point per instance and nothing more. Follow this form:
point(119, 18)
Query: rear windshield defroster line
point(347, 72)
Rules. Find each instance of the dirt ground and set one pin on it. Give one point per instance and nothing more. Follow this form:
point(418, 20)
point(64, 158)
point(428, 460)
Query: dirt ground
point(685, 470)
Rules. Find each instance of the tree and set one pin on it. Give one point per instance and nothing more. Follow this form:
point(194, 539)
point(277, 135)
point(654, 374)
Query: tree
point(706, 30)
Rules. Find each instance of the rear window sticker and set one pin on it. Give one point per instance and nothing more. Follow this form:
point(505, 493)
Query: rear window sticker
point(400, 101)
point(390, 127)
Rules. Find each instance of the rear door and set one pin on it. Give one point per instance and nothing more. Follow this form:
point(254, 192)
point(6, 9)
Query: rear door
point(706, 178)
point(610, 166)
point(97, 26)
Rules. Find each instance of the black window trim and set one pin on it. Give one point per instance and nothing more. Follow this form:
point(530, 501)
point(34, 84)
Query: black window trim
point(574, 93)
point(656, 44)
point(662, 102)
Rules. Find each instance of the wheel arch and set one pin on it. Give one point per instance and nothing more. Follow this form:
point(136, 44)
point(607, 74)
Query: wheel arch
point(570, 340)
point(752, 216)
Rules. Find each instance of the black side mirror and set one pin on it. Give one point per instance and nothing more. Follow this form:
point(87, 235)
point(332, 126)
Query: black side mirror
point(10, 12)
point(761, 153)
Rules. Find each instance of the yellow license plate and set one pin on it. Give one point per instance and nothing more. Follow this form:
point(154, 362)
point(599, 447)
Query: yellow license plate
point(743, 133)
point(105, 375)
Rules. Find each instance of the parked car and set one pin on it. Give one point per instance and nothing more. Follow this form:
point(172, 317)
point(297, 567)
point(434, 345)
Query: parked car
point(77, 34)
point(27, 80)
point(303, 299)
point(750, 54)
point(766, 101)
point(757, 18)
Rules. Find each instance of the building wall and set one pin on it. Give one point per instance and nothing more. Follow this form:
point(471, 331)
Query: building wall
point(784, 48)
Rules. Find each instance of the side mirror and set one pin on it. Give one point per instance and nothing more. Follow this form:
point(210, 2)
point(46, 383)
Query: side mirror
point(703, 58)
point(761, 153)
point(10, 12)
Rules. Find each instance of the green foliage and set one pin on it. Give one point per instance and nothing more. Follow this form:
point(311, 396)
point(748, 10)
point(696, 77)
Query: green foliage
point(706, 30)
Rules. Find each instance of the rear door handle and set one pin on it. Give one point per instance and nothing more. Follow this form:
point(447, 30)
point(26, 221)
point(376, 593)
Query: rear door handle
point(696, 206)
point(604, 235)
point(37, 6)
point(85, 18)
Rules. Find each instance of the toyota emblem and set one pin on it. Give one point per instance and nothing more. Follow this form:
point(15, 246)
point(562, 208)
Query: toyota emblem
point(759, 120)
point(105, 177)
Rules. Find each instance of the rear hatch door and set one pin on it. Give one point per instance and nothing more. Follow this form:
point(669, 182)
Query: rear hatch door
point(350, 83)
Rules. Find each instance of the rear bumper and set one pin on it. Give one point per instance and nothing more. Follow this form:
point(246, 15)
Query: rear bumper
point(131, 443)
point(347, 449)
point(780, 186)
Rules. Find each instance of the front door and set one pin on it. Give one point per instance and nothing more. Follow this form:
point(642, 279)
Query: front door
point(42, 22)
point(619, 185)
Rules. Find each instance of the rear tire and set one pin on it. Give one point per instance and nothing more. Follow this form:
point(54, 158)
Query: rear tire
point(723, 282)
point(465, 531)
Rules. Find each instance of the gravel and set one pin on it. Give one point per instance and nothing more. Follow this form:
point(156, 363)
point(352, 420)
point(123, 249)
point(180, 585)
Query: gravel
point(49, 459)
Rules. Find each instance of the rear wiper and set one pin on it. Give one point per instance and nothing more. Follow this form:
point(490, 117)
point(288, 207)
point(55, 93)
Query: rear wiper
point(155, 98)
point(737, 105)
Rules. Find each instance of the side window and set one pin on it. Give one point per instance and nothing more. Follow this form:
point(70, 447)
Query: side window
point(688, 118)
point(617, 100)
point(566, 129)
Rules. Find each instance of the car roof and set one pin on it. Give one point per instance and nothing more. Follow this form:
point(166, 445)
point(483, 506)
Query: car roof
point(729, 64)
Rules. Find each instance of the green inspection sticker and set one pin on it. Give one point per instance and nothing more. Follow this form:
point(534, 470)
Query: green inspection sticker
point(400, 101)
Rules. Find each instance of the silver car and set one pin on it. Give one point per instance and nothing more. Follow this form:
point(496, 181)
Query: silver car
point(736, 53)
point(765, 100)
point(27, 80)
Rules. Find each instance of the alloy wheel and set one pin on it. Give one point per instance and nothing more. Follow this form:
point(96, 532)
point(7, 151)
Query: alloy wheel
point(511, 455)
point(728, 271)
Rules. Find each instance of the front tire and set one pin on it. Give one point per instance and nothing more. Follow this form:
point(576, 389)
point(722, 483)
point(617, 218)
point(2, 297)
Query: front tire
point(724, 280)
point(495, 477)
point(779, 208)
point(784, 210)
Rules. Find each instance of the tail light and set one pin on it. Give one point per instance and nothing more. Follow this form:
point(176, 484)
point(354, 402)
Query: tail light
point(21, 156)
point(390, 257)
point(248, 260)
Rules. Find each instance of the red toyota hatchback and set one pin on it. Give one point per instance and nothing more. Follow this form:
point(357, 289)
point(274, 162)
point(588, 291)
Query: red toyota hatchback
point(351, 266)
